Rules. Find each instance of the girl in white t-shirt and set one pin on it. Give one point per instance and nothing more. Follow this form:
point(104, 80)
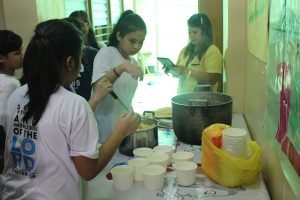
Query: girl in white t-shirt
point(11, 58)
point(116, 64)
point(51, 132)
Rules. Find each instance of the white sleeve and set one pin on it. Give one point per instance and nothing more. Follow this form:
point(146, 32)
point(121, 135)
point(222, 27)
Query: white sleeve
point(8, 88)
point(84, 133)
point(102, 63)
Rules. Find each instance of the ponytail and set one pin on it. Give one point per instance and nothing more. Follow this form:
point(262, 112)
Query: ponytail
point(52, 43)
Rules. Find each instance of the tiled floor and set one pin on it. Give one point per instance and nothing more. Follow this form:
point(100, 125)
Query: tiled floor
point(155, 91)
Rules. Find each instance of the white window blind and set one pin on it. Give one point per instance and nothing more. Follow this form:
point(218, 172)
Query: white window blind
point(116, 10)
point(73, 5)
point(105, 14)
point(100, 12)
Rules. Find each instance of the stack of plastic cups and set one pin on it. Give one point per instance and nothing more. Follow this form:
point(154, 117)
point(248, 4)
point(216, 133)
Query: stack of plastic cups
point(234, 141)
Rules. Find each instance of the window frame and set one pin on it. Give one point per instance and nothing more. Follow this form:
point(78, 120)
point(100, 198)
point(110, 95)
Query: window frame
point(102, 32)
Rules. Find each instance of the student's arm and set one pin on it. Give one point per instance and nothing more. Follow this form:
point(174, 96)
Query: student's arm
point(100, 89)
point(104, 85)
point(213, 68)
point(203, 77)
point(89, 168)
point(113, 74)
point(213, 63)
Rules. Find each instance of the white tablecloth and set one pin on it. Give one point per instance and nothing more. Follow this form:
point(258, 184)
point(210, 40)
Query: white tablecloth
point(101, 187)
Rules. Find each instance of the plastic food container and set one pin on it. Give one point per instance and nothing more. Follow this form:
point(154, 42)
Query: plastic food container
point(186, 172)
point(166, 149)
point(154, 176)
point(122, 177)
point(158, 158)
point(182, 156)
point(142, 152)
point(138, 164)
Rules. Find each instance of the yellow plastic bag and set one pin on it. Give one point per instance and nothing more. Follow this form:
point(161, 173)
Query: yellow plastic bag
point(225, 169)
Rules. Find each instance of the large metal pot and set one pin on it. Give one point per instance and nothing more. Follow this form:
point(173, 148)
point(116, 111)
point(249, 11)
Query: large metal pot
point(193, 112)
point(144, 138)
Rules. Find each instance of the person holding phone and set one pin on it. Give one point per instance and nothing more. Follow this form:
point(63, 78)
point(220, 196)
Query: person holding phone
point(200, 62)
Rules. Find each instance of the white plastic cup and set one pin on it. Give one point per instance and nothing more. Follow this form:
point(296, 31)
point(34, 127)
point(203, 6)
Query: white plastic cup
point(138, 164)
point(166, 149)
point(122, 177)
point(182, 156)
point(154, 176)
point(158, 158)
point(234, 141)
point(186, 172)
point(142, 152)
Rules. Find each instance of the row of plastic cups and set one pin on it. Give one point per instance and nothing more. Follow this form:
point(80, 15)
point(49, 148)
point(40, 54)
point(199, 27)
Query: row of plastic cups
point(185, 168)
point(153, 175)
point(149, 165)
point(160, 150)
point(160, 158)
point(162, 155)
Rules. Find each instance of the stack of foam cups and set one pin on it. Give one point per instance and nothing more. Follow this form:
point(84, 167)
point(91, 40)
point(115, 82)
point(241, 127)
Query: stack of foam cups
point(234, 141)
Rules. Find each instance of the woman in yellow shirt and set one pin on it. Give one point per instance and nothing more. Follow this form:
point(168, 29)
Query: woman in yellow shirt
point(200, 62)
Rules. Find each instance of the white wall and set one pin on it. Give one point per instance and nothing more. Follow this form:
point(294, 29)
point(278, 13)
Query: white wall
point(50, 9)
point(128, 5)
point(147, 10)
point(2, 20)
point(22, 18)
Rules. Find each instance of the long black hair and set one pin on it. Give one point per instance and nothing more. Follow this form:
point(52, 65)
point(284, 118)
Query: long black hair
point(200, 20)
point(52, 43)
point(76, 23)
point(91, 38)
point(9, 41)
point(128, 22)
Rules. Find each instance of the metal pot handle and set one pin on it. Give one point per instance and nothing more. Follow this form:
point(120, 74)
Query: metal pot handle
point(194, 103)
point(198, 102)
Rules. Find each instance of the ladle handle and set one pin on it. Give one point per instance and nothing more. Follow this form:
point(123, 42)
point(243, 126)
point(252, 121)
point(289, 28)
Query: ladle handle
point(115, 96)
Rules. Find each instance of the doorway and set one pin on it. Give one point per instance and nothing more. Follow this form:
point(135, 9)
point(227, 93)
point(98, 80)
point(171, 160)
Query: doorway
point(167, 34)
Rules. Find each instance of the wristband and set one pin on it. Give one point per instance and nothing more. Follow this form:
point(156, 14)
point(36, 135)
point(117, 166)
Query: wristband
point(115, 72)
